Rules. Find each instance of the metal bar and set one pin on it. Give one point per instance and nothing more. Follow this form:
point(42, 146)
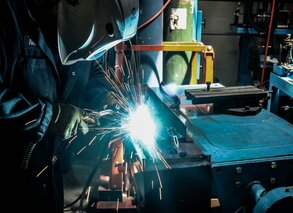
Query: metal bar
point(209, 67)
point(277, 84)
point(172, 46)
point(116, 176)
point(196, 47)
point(194, 73)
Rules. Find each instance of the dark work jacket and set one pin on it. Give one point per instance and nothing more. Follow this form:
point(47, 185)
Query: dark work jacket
point(31, 81)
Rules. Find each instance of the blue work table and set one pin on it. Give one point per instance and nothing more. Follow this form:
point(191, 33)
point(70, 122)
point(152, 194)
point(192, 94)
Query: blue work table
point(238, 138)
point(234, 138)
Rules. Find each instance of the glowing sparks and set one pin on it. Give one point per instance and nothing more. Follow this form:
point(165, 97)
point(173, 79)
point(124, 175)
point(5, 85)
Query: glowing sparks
point(133, 123)
point(92, 140)
point(88, 194)
point(141, 125)
point(30, 122)
point(82, 149)
point(38, 175)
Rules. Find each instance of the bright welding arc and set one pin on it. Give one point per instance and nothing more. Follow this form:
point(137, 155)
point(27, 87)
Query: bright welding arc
point(141, 125)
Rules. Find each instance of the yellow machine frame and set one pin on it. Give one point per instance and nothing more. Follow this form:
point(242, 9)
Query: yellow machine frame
point(195, 47)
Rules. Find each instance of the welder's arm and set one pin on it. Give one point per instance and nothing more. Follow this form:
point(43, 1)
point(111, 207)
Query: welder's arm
point(28, 120)
point(67, 120)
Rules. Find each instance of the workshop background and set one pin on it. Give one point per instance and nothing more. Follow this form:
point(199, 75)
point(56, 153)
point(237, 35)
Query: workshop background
point(238, 37)
point(226, 134)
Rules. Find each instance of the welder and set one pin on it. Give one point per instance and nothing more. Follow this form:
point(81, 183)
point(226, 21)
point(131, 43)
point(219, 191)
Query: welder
point(50, 70)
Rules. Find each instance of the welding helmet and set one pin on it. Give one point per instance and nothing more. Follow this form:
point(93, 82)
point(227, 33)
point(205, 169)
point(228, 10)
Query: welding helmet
point(88, 28)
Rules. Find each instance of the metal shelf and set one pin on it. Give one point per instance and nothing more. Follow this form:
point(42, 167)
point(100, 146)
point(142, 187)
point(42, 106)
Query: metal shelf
point(249, 30)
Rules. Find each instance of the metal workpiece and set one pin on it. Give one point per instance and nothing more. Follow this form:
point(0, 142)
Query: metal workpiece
point(165, 185)
point(173, 141)
point(167, 114)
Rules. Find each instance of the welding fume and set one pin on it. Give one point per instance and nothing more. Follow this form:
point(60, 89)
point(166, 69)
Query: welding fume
point(54, 88)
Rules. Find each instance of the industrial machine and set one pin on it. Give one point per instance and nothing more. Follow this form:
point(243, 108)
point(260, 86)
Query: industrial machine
point(217, 150)
point(254, 16)
point(281, 82)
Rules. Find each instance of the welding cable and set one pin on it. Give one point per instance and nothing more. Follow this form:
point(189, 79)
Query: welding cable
point(72, 203)
point(85, 187)
point(137, 190)
point(96, 170)
point(155, 16)
point(267, 43)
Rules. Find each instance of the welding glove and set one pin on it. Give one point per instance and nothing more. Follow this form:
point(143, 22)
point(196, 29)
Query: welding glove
point(67, 120)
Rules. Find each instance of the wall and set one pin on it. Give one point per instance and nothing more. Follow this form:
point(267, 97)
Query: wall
point(151, 62)
point(217, 17)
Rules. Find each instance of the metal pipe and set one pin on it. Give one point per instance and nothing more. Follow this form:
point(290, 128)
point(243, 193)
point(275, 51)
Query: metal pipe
point(256, 190)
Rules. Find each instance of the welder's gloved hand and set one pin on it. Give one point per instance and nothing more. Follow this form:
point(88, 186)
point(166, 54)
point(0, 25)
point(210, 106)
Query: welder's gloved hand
point(67, 120)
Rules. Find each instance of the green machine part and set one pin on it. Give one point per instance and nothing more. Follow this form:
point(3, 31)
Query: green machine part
point(178, 27)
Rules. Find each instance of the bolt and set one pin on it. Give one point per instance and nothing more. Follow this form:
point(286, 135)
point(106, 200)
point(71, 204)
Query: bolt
point(238, 184)
point(238, 170)
point(273, 165)
point(208, 83)
point(182, 154)
point(247, 107)
point(273, 180)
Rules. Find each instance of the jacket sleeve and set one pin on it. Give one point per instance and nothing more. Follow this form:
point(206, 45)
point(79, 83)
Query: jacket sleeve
point(98, 87)
point(21, 118)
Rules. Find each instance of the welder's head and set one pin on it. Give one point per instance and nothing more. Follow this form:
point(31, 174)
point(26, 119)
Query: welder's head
point(87, 28)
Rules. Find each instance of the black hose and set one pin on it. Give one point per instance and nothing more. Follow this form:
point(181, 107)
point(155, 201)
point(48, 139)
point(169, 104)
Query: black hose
point(73, 202)
point(96, 170)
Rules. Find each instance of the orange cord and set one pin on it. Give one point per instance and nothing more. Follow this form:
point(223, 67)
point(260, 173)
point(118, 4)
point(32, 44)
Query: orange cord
point(267, 44)
point(155, 16)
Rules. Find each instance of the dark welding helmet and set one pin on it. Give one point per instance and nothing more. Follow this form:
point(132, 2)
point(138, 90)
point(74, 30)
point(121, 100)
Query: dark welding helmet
point(88, 28)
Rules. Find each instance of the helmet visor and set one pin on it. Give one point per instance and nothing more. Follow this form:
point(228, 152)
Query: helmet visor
point(88, 29)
